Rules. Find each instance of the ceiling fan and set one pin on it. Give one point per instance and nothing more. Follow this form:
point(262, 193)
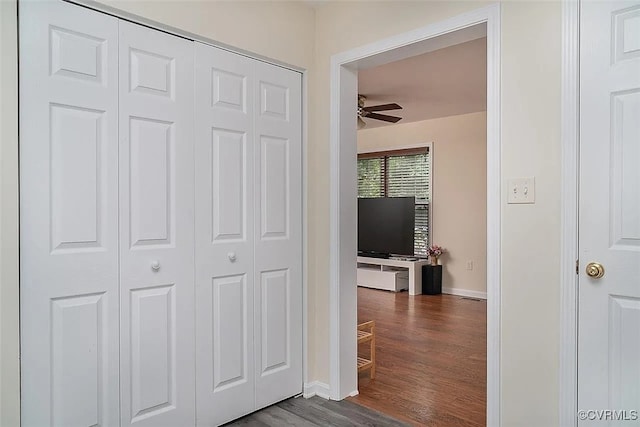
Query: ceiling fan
point(370, 112)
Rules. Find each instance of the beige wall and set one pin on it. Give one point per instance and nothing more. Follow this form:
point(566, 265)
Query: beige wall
point(281, 30)
point(531, 62)
point(530, 132)
point(341, 26)
point(459, 208)
point(289, 31)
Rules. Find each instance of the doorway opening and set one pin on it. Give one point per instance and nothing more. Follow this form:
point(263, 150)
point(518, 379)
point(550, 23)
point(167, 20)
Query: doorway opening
point(343, 239)
point(422, 186)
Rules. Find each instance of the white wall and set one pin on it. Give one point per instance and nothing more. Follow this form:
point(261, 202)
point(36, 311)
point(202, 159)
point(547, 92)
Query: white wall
point(459, 208)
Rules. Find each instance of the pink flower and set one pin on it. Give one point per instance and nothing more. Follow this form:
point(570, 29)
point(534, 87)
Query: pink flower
point(435, 250)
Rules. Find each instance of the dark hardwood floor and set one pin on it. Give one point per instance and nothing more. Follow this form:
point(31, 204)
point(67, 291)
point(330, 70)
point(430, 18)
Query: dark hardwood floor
point(431, 358)
point(316, 412)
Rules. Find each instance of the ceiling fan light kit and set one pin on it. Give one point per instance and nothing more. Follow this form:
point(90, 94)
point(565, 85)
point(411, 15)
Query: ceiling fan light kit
point(370, 112)
point(361, 123)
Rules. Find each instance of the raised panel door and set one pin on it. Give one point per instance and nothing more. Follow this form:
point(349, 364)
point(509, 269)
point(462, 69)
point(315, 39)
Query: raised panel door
point(609, 307)
point(156, 226)
point(278, 234)
point(68, 216)
point(224, 235)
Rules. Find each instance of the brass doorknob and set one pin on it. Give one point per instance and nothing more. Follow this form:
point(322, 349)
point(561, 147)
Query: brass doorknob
point(595, 270)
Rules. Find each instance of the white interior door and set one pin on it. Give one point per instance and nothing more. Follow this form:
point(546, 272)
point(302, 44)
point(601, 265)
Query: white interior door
point(609, 307)
point(68, 215)
point(157, 344)
point(224, 235)
point(278, 233)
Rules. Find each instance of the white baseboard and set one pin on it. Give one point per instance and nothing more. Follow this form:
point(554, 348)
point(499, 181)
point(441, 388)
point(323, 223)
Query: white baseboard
point(316, 388)
point(464, 293)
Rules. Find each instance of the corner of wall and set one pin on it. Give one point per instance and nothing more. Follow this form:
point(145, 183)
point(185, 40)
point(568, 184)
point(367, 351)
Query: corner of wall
point(316, 388)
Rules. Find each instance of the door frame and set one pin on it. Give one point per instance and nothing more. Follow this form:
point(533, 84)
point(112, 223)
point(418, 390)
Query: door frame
point(342, 286)
point(570, 128)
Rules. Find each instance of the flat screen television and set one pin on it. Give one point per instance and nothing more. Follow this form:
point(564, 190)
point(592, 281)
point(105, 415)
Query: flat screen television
point(386, 226)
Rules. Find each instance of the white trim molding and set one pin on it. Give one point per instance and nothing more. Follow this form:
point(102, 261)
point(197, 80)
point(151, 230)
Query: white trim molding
point(9, 236)
point(494, 219)
point(316, 388)
point(391, 147)
point(305, 228)
point(342, 288)
point(570, 110)
point(468, 293)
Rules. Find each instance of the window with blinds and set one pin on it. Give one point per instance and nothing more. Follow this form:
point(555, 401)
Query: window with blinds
point(371, 177)
point(402, 173)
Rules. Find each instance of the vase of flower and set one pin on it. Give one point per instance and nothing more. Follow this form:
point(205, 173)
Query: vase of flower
point(434, 251)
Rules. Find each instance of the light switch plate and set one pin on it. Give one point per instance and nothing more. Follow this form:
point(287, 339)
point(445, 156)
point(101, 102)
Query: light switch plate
point(521, 190)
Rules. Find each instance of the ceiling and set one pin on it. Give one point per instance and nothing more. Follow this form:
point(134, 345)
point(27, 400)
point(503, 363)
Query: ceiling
point(445, 82)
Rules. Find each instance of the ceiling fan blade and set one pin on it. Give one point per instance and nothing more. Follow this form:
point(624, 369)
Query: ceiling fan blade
point(383, 117)
point(383, 107)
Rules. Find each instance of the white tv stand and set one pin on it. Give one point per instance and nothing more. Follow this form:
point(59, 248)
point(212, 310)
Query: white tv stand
point(389, 274)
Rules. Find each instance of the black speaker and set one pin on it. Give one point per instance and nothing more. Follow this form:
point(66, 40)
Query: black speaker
point(431, 279)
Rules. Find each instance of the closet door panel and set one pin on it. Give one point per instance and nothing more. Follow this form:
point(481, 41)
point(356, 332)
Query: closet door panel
point(278, 234)
point(224, 236)
point(156, 225)
point(68, 215)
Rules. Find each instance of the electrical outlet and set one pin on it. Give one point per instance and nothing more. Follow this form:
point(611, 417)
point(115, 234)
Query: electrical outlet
point(469, 265)
point(521, 190)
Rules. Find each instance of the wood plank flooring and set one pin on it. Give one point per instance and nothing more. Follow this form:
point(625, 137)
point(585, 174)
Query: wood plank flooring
point(431, 358)
point(317, 412)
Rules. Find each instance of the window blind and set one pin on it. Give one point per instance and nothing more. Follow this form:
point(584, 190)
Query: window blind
point(400, 174)
point(409, 176)
point(421, 241)
point(371, 177)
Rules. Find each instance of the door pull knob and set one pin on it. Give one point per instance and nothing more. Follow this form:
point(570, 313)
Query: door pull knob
point(595, 270)
point(155, 265)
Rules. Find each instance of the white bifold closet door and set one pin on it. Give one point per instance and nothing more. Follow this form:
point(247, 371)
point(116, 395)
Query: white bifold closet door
point(224, 241)
point(278, 234)
point(68, 215)
point(157, 347)
point(132, 304)
point(249, 235)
